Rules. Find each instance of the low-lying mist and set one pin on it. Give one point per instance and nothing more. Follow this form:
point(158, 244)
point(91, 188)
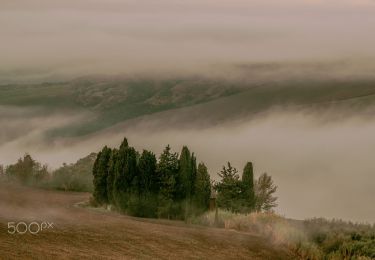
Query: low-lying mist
point(322, 166)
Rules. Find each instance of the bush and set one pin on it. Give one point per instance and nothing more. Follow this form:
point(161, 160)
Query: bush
point(309, 239)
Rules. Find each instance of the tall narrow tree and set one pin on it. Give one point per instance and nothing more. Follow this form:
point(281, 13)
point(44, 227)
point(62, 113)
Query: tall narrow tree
point(167, 171)
point(100, 175)
point(111, 175)
point(248, 186)
point(147, 179)
point(125, 169)
point(202, 189)
point(185, 174)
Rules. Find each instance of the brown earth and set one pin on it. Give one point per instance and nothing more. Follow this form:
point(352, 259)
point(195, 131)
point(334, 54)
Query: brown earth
point(94, 234)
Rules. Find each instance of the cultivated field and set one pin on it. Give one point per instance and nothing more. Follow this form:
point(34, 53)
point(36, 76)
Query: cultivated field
point(93, 234)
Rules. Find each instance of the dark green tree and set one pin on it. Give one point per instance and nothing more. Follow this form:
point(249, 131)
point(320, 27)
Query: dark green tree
point(143, 201)
point(167, 172)
point(248, 187)
point(202, 189)
point(125, 171)
point(185, 181)
point(229, 189)
point(120, 185)
point(100, 172)
point(124, 144)
point(147, 178)
point(185, 174)
point(111, 175)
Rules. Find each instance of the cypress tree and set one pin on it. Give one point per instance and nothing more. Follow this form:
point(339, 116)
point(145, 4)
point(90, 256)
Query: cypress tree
point(202, 189)
point(111, 175)
point(95, 173)
point(185, 174)
point(145, 195)
point(147, 179)
point(121, 184)
point(248, 186)
point(100, 172)
point(186, 180)
point(124, 144)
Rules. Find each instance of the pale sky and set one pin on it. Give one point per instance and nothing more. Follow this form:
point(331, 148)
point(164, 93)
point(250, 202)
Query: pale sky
point(42, 39)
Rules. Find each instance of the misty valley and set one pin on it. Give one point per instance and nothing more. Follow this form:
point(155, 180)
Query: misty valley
point(200, 129)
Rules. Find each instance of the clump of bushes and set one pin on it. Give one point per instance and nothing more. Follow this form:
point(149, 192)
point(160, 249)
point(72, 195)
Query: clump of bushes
point(309, 239)
point(26, 171)
point(72, 177)
point(342, 240)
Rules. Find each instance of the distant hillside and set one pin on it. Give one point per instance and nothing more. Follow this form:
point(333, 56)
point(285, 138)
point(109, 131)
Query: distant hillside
point(111, 100)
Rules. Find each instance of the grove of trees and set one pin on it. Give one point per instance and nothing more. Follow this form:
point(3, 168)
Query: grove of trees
point(173, 185)
point(26, 171)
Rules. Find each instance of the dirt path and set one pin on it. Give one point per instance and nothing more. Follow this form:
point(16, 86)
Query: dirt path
point(84, 233)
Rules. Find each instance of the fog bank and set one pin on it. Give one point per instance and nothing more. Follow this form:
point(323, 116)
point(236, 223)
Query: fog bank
point(322, 168)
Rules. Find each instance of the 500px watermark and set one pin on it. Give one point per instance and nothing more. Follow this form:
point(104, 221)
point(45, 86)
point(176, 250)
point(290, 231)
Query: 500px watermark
point(32, 227)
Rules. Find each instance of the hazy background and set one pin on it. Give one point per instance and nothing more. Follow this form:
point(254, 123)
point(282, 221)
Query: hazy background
point(322, 161)
point(52, 40)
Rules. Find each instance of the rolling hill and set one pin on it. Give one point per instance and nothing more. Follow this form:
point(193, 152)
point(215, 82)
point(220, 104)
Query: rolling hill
point(107, 101)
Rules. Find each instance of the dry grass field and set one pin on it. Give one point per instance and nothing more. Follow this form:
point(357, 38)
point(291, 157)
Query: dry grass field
point(93, 234)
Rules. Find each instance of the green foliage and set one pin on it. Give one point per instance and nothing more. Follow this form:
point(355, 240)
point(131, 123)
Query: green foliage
point(2, 173)
point(244, 195)
point(100, 173)
point(173, 186)
point(185, 174)
point(27, 171)
point(248, 186)
point(338, 239)
point(313, 239)
point(147, 179)
point(230, 190)
point(74, 177)
point(264, 190)
point(202, 189)
point(125, 171)
point(111, 175)
point(143, 201)
point(167, 172)
point(186, 180)
point(141, 185)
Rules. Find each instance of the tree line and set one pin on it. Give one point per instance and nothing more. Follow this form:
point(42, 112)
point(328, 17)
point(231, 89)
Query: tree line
point(26, 171)
point(69, 177)
point(173, 186)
